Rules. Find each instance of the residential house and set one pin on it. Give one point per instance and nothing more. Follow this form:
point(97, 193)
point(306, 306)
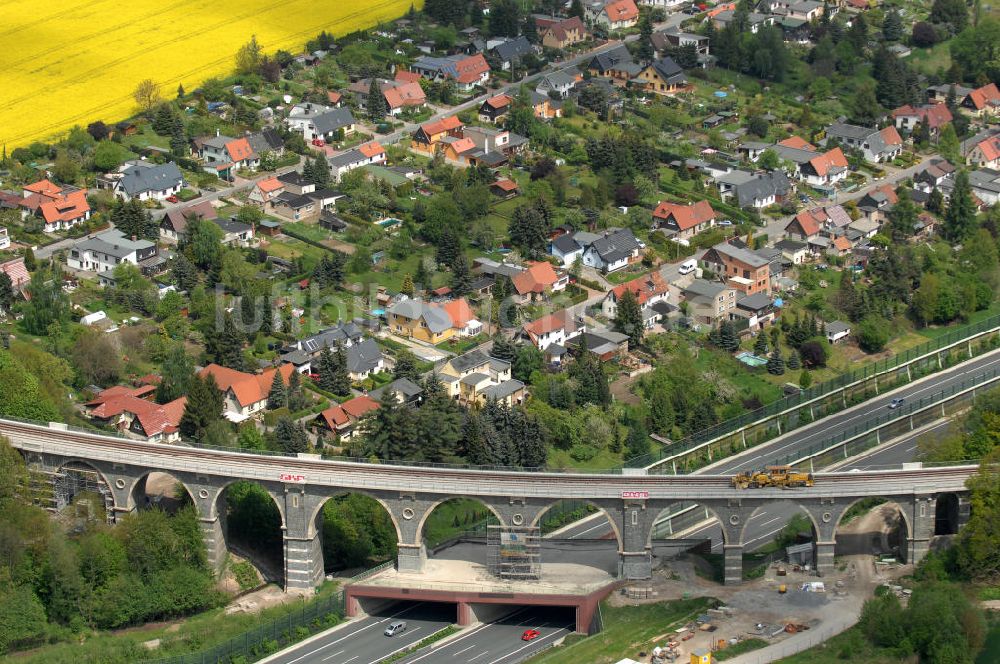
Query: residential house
point(299, 198)
point(429, 136)
point(417, 319)
point(560, 33)
point(132, 412)
point(537, 281)
point(544, 107)
point(983, 102)
point(709, 302)
point(144, 181)
point(504, 188)
point(472, 378)
point(398, 95)
point(664, 77)
point(742, 269)
point(684, 221)
point(877, 202)
point(364, 359)
point(365, 154)
point(877, 145)
point(244, 394)
point(342, 419)
point(648, 290)
point(932, 116)
point(316, 121)
point(463, 318)
point(225, 155)
point(804, 226)
point(103, 252)
point(495, 108)
point(933, 175)
point(235, 233)
point(985, 185)
point(510, 52)
point(614, 15)
point(265, 191)
point(467, 71)
point(558, 83)
point(616, 64)
point(266, 140)
point(607, 345)
point(554, 328)
point(61, 209)
point(757, 310)
point(794, 251)
point(4, 238)
point(613, 250)
point(938, 94)
point(986, 153)
point(173, 226)
point(817, 169)
point(664, 41)
point(837, 330)
point(403, 390)
point(566, 249)
point(18, 273)
point(755, 20)
point(756, 191)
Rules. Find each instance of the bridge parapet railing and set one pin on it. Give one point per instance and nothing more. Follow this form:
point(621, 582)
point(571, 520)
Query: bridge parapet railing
point(921, 361)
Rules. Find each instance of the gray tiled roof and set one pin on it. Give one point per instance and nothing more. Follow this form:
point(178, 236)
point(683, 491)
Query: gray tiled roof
point(474, 358)
point(363, 357)
point(139, 179)
point(332, 120)
point(503, 390)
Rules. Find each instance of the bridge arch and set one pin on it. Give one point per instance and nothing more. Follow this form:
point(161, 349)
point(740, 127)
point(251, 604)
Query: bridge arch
point(612, 521)
point(421, 525)
point(859, 543)
point(68, 490)
point(318, 510)
point(252, 523)
point(688, 513)
point(337, 557)
point(797, 507)
point(138, 492)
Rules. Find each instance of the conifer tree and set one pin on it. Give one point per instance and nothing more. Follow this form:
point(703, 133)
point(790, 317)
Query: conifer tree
point(341, 377)
point(203, 408)
point(277, 397)
point(377, 106)
point(775, 363)
point(628, 318)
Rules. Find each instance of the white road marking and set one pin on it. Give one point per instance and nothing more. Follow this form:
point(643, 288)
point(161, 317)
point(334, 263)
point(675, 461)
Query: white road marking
point(339, 652)
point(529, 645)
point(354, 632)
point(485, 652)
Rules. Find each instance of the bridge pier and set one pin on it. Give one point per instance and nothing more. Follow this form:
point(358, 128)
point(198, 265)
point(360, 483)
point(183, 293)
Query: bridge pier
point(213, 534)
point(733, 570)
point(303, 561)
point(824, 557)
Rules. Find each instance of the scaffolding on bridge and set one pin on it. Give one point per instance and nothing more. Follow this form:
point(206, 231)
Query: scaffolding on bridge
point(514, 552)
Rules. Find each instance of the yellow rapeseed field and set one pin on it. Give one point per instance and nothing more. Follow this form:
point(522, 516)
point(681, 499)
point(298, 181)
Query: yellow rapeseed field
point(69, 62)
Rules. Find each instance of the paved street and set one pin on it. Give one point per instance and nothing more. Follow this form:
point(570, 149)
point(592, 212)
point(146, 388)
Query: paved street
point(363, 641)
point(500, 642)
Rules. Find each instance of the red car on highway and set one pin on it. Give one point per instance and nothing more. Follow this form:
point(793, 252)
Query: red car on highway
point(530, 635)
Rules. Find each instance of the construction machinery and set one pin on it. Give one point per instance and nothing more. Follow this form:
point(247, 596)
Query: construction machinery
point(772, 476)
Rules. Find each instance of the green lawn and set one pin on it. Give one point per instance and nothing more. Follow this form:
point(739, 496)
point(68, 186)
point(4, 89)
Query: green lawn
point(604, 459)
point(627, 631)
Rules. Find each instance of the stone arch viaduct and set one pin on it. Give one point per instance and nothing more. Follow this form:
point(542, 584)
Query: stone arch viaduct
point(300, 486)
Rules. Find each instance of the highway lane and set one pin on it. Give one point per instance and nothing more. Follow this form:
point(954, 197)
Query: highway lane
point(500, 642)
point(816, 432)
point(363, 641)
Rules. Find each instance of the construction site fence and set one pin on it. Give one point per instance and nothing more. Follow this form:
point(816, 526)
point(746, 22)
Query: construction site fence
point(917, 362)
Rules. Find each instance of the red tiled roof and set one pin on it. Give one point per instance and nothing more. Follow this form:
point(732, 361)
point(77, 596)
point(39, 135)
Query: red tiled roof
point(153, 418)
point(808, 222)
point(890, 193)
point(405, 94)
point(535, 279)
point(621, 10)
point(459, 311)
point(833, 159)
point(334, 417)
point(643, 288)
point(239, 150)
point(462, 145)
point(934, 116)
point(441, 126)
point(506, 184)
point(718, 9)
point(990, 148)
point(499, 101)
point(561, 29)
point(407, 76)
point(269, 185)
point(359, 406)
point(472, 68)
point(798, 143)
point(248, 388)
point(371, 149)
point(842, 243)
point(982, 97)
point(65, 208)
point(891, 136)
point(686, 216)
point(44, 187)
point(17, 272)
point(555, 321)
point(333, 96)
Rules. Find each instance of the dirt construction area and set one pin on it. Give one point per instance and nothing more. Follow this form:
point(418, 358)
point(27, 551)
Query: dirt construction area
point(757, 609)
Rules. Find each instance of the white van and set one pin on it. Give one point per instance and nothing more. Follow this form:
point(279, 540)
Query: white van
point(688, 266)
